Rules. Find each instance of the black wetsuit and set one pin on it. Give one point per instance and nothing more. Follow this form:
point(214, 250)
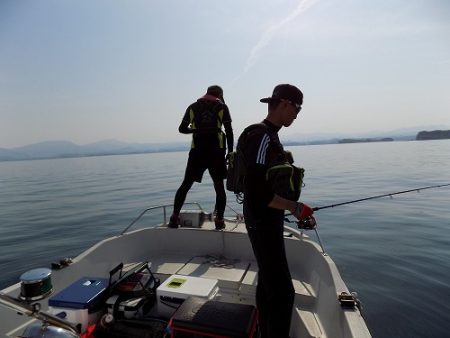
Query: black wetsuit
point(275, 292)
point(205, 118)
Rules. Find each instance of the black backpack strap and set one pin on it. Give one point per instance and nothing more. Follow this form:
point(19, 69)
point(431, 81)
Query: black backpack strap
point(251, 128)
point(274, 142)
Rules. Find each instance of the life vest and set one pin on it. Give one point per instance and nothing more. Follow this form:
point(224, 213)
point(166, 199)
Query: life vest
point(206, 119)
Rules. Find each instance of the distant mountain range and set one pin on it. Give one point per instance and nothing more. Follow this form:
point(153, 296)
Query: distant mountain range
point(65, 149)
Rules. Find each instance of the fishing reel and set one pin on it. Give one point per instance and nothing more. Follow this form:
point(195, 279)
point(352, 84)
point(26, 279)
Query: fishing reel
point(308, 223)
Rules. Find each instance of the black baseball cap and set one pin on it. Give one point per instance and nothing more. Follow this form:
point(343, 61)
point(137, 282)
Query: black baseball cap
point(285, 92)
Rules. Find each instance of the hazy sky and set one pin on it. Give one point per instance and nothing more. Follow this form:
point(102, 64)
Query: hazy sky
point(88, 70)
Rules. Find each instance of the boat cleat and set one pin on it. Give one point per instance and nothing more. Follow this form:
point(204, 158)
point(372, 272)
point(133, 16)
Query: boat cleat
point(349, 300)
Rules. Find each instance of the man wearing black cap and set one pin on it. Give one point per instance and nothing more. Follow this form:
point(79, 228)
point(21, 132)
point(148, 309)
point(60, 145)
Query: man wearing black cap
point(264, 211)
point(204, 119)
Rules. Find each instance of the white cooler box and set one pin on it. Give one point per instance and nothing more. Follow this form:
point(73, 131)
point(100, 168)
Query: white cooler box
point(177, 288)
point(193, 218)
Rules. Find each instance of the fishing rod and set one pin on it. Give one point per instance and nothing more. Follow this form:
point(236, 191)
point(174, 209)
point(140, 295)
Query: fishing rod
point(379, 196)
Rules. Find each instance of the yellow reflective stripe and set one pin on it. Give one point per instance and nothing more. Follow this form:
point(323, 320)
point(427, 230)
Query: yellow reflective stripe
point(219, 126)
point(220, 118)
point(193, 126)
point(191, 118)
point(220, 137)
point(279, 166)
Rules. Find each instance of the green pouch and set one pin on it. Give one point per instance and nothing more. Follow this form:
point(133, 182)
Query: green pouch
point(286, 180)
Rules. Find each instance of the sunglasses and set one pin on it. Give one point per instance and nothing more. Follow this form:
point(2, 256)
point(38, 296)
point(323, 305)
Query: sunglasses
point(297, 106)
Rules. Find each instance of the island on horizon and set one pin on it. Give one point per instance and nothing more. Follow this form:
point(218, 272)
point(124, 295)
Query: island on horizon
point(433, 135)
point(364, 140)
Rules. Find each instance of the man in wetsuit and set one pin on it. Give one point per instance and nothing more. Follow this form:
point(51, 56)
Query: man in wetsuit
point(204, 119)
point(264, 211)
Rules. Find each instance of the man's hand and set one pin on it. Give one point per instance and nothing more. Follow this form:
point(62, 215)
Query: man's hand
point(302, 211)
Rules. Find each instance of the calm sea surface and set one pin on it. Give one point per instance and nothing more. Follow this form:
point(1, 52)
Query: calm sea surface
point(395, 252)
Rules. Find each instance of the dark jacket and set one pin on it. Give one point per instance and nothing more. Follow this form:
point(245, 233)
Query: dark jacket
point(204, 119)
point(262, 147)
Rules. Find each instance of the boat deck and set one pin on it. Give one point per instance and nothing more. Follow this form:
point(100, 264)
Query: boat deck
point(238, 279)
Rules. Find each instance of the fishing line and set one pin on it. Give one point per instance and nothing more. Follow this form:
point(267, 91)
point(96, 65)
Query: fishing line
point(379, 196)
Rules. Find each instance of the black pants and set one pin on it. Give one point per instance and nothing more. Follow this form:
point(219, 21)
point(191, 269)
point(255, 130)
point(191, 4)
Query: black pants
point(199, 160)
point(221, 197)
point(275, 292)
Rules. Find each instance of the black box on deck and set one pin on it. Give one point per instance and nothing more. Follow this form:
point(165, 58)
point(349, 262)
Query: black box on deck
point(200, 317)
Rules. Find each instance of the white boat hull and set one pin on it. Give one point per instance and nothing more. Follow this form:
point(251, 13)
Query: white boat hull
point(223, 255)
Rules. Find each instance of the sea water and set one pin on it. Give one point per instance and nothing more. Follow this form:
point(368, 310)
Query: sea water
point(394, 252)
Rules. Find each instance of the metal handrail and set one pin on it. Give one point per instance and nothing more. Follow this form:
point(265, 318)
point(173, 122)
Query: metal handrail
point(34, 310)
point(157, 207)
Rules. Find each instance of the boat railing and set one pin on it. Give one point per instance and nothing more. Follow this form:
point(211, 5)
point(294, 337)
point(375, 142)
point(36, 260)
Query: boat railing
point(164, 209)
point(301, 228)
point(34, 310)
point(239, 219)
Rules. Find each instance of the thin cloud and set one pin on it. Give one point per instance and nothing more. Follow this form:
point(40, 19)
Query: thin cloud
point(272, 31)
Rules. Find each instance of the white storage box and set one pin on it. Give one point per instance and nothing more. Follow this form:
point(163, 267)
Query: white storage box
point(177, 288)
point(192, 218)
